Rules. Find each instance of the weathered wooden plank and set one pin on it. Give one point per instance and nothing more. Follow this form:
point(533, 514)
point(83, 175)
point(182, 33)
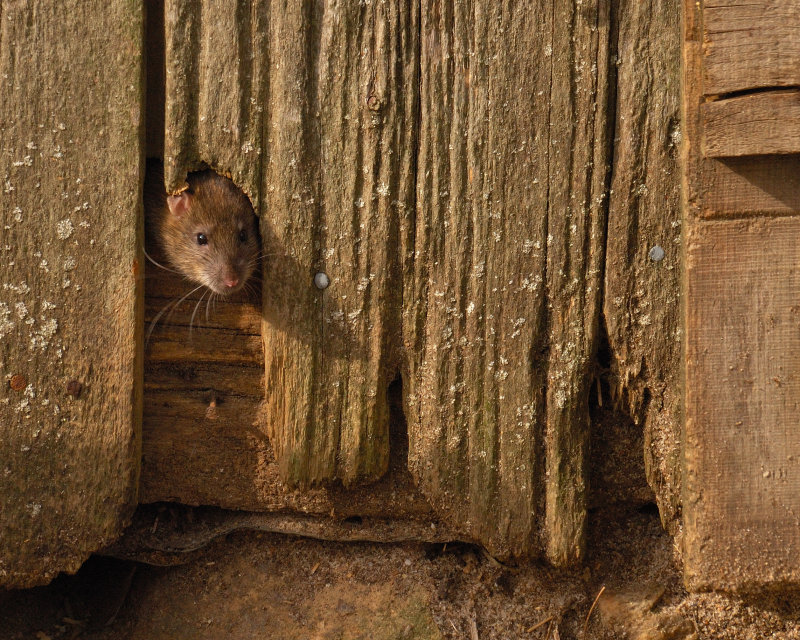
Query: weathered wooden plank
point(747, 45)
point(216, 88)
point(576, 229)
point(338, 182)
point(741, 359)
point(641, 301)
point(507, 198)
point(199, 454)
point(759, 124)
point(742, 455)
point(70, 292)
point(475, 392)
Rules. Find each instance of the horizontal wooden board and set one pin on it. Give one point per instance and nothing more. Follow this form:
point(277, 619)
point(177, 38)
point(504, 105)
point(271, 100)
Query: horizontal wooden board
point(742, 454)
point(748, 45)
point(765, 123)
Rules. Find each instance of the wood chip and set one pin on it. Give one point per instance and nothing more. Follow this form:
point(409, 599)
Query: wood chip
point(588, 615)
point(539, 624)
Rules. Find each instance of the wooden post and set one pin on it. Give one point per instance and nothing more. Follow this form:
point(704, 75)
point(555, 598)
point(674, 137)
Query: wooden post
point(70, 281)
point(641, 303)
point(500, 311)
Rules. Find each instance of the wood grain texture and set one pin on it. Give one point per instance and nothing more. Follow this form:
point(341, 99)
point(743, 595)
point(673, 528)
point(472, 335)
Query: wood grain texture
point(748, 45)
point(641, 303)
point(766, 123)
point(70, 288)
point(216, 88)
point(499, 322)
point(755, 185)
point(742, 496)
point(338, 186)
point(197, 453)
point(576, 236)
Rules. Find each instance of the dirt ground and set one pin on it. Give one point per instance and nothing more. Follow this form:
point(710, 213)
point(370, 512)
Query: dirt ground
point(248, 585)
point(251, 585)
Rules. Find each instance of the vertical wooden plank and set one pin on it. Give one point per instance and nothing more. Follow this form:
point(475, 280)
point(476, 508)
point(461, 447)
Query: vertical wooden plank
point(70, 291)
point(338, 181)
point(474, 302)
point(642, 294)
point(501, 304)
point(216, 84)
point(578, 170)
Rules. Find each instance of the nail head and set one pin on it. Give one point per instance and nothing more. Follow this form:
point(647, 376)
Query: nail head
point(321, 281)
point(657, 253)
point(18, 382)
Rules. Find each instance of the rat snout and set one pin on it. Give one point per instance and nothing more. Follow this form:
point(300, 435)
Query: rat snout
point(230, 280)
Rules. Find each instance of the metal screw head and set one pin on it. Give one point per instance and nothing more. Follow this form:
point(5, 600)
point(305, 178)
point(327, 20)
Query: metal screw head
point(656, 253)
point(74, 388)
point(321, 280)
point(18, 382)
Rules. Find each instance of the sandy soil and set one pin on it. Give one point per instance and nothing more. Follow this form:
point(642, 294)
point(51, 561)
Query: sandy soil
point(258, 585)
point(251, 585)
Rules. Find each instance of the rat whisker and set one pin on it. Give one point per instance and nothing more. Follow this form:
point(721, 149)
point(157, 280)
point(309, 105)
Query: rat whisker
point(155, 320)
point(160, 266)
point(191, 321)
point(175, 306)
point(211, 297)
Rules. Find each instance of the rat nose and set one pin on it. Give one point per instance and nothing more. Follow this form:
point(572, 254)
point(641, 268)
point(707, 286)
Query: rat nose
point(230, 280)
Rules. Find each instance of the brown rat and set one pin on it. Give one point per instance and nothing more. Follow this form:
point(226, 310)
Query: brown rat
point(208, 232)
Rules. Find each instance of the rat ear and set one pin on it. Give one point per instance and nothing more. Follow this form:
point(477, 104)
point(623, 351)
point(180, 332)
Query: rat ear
point(179, 203)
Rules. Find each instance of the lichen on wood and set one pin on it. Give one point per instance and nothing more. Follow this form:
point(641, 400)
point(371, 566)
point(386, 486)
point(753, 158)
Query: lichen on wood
point(70, 286)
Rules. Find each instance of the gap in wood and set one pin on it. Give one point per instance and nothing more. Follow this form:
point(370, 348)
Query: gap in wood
point(398, 427)
point(749, 92)
point(617, 476)
point(155, 67)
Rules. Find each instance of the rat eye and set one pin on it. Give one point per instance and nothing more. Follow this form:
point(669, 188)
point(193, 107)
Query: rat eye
point(201, 238)
point(243, 235)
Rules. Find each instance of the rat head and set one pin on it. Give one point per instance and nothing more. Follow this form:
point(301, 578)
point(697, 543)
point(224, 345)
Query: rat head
point(211, 233)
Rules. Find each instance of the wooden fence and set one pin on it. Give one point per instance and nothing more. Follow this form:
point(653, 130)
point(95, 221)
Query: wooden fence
point(492, 188)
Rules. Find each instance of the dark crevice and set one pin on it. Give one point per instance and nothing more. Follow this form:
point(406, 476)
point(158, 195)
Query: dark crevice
point(750, 92)
point(398, 427)
point(616, 463)
point(155, 77)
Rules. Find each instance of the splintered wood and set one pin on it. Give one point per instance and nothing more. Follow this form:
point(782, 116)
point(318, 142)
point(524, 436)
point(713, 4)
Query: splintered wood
point(444, 166)
point(70, 296)
point(742, 308)
point(451, 188)
point(641, 304)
